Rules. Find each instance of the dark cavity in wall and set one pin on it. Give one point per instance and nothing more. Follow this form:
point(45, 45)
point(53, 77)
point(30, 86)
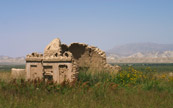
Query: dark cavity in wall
point(77, 50)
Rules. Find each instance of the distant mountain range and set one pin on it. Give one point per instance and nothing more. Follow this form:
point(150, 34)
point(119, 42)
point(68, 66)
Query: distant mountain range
point(129, 53)
point(141, 53)
point(10, 60)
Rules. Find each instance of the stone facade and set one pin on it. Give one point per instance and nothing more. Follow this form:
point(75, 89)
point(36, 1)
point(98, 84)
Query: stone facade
point(53, 65)
point(60, 62)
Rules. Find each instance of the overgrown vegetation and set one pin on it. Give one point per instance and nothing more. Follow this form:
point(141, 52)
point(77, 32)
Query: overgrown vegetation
point(130, 88)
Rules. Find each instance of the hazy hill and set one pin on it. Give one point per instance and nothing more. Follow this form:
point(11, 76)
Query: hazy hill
point(141, 52)
point(11, 60)
point(129, 49)
point(129, 53)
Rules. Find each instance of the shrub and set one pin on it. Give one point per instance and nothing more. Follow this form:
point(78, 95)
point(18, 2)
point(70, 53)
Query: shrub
point(129, 77)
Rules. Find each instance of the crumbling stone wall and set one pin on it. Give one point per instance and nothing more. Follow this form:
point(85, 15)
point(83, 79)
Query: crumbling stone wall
point(89, 56)
point(54, 64)
point(61, 62)
point(17, 73)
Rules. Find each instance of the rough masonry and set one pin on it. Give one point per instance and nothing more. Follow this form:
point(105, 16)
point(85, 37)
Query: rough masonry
point(60, 62)
point(52, 65)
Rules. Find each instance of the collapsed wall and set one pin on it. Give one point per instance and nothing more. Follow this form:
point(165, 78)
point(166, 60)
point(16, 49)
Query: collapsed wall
point(89, 56)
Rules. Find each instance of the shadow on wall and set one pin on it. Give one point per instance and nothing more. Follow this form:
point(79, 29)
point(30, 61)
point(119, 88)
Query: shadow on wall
point(77, 50)
point(86, 56)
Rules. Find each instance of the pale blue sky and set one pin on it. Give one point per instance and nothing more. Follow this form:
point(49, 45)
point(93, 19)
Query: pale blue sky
point(27, 26)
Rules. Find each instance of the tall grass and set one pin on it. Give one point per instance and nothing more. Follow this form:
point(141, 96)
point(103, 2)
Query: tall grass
point(130, 88)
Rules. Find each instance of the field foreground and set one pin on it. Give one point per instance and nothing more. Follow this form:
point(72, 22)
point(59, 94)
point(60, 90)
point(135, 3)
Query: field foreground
point(131, 88)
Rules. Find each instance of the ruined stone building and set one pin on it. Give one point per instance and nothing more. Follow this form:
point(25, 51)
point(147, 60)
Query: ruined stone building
point(60, 62)
point(52, 65)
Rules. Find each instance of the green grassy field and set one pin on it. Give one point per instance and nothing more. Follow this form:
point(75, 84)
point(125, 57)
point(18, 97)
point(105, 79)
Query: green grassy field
point(140, 86)
point(7, 68)
point(159, 67)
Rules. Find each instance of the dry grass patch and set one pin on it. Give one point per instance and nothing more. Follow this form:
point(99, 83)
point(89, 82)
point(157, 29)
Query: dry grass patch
point(5, 76)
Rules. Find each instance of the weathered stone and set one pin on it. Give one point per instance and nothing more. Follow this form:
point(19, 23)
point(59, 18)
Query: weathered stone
point(53, 65)
point(17, 73)
point(61, 62)
point(34, 54)
point(90, 56)
point(53, 49)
